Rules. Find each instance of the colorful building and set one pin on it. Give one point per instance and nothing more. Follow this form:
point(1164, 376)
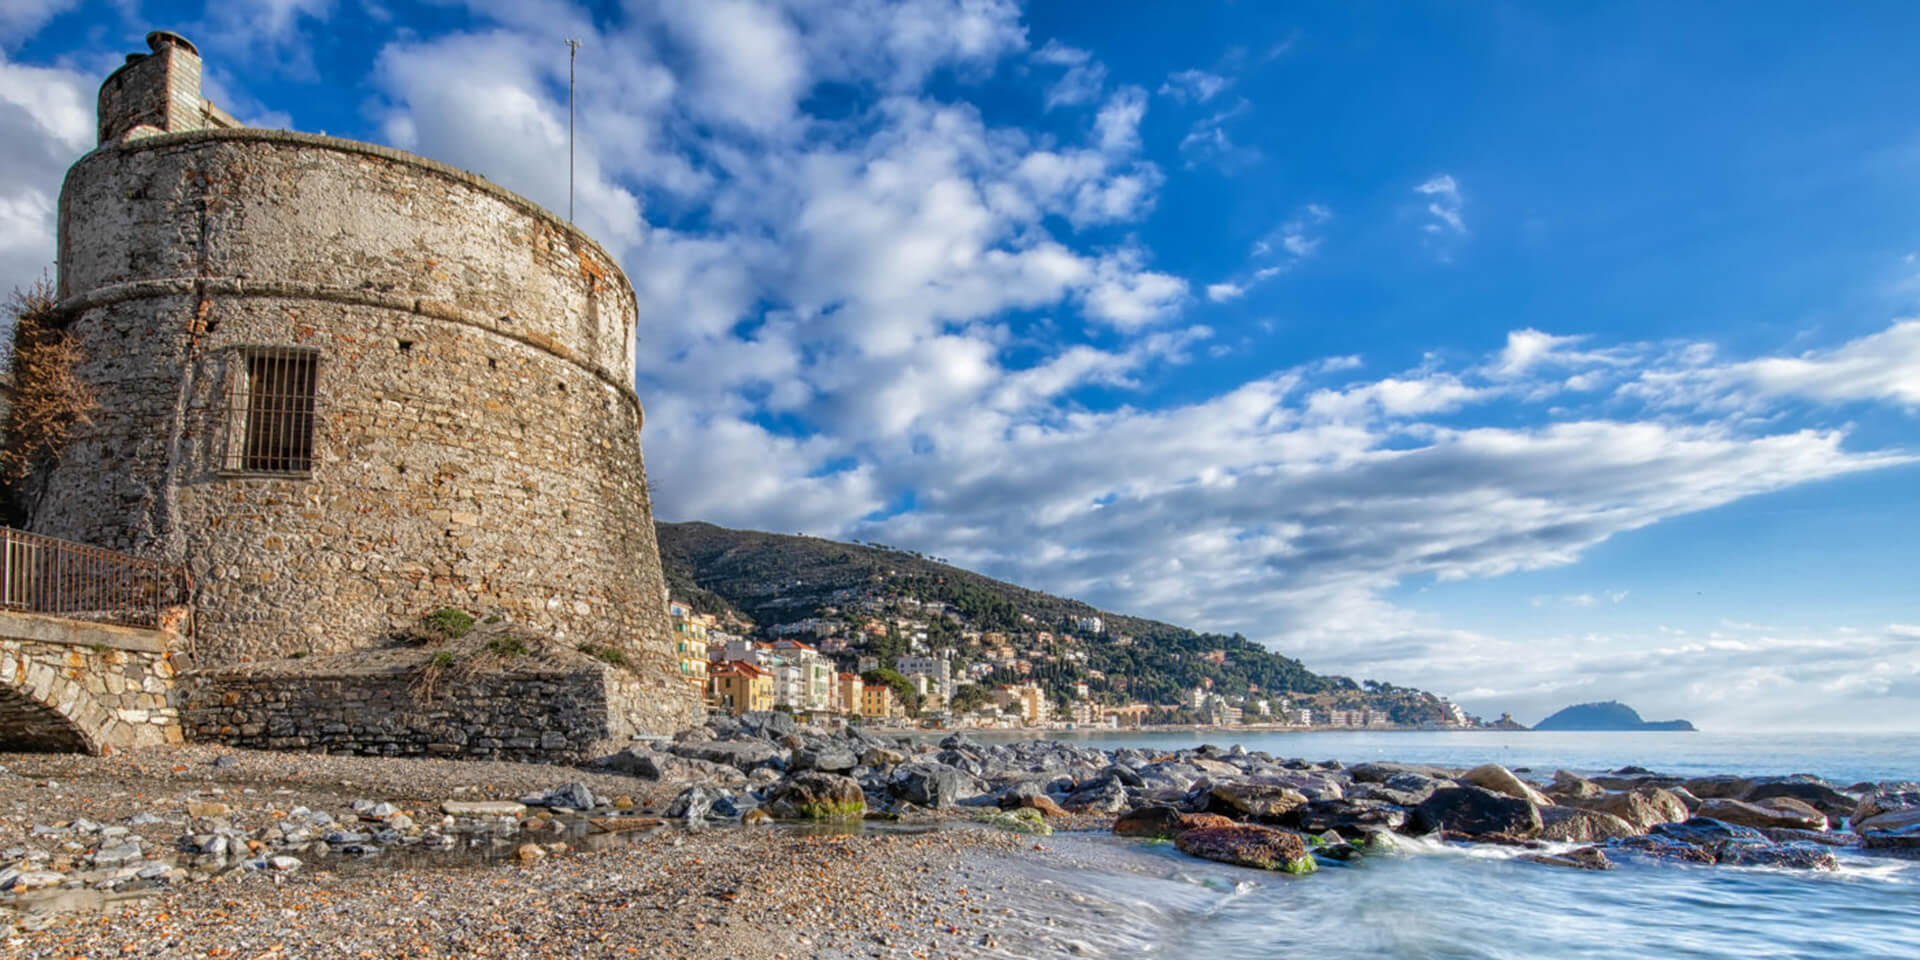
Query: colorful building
point(740, 687)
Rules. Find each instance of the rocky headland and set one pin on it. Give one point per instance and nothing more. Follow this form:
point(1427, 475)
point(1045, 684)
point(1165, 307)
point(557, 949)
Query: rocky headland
point(1610, 715)
point(757, 836)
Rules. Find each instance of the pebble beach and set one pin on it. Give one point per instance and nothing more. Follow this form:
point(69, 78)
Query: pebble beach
point(666, 891)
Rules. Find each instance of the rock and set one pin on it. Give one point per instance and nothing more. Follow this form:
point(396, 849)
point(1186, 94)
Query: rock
point(1891, 820)
point(1905, 837)
point(1024, 820)
point(1883, 799)
point(117, 854)
point(830, 757)
point(1039, 801)
point(1248, 845)
point(573, 796)
point(1644, 807)
point(207, 809)
point(1665, 848)
point(284, 863)
point(1472, 811)
point(529, 852)
point(1576, 825)
point(1099, 795)
point(743, 755)
point(816, 795)
point(1383, 772)
point(755, 817)
point(1831, 803)
point(882, 757)
point(483, 808)
point(1707, 833)
point(1792, 856)
point(693, 804)
point(1709, 788)
point(1584, 858)
point(1350, 815)
point(1501, 780)
point(933, 785)
point(1255, 800)
point(772, 724)
point(1163, 822)
point(1567, 784)
point(1754, 815)
point(225, 761)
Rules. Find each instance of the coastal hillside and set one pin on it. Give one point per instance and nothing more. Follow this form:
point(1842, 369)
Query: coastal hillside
point(871, 600)
point(1610, 715)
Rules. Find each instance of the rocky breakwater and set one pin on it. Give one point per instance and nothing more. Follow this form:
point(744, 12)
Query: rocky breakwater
point(1255, 809)
point(1570, 821)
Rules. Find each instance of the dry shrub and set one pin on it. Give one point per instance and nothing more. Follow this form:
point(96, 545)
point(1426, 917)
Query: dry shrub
point(49, 400)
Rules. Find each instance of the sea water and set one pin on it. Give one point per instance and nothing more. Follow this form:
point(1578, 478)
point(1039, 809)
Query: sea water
point(1098, 895)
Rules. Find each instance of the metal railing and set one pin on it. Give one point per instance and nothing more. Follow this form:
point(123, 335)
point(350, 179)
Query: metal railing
point(44, 575)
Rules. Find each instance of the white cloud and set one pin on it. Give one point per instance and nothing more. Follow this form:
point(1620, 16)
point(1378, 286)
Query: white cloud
point(1209, 142)
point(46, 123)
point(1444, 203)
point(21, 19)
point(1083, 80)
point(1223, 292)
point(1279, 251)
point(1117, 126)
point(1199, 86)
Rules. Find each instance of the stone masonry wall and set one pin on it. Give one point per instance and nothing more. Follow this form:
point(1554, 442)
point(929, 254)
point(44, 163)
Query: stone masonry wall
point(545, 715)
point(477, 442)
point(84, 687)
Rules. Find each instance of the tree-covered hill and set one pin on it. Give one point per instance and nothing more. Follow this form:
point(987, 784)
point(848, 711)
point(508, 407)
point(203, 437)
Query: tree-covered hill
point(776, 578)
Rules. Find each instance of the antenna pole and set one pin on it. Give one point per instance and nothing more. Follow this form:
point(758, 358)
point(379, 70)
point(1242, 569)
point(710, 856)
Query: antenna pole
point(573, 51)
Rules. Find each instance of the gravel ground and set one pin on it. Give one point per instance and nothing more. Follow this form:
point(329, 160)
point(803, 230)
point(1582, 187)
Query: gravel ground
point(763, 892)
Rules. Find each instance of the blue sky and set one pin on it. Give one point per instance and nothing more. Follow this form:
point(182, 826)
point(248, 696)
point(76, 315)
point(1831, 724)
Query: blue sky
point(1527, 354)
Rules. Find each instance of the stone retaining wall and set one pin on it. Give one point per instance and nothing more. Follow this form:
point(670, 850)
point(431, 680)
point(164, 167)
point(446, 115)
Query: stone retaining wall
point(545, 712)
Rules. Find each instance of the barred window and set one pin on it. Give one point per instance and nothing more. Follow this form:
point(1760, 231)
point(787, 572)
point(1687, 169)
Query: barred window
point(270, 410)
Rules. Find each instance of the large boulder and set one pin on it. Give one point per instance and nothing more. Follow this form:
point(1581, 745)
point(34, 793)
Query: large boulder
point(1099, 795)
point(1248, 845)
point(933, 785)
point(1643, 807)
point(1383, 772)
point(744, 755)
point(1756, 815)
point(771, 724)
point(1472, 811)
point(1256, 801)
point(1349, 815)
point(1885, 798)
point(1897, 830)
point(1568, 785)
point(1161, 821)
point(830, 756)
point(1577, 825)
point(1791, 856)
point(1501, 780)
point(694, 804)
point(816, 795)
point(1718, 786)
point(1832, 803)
point(1584, 858)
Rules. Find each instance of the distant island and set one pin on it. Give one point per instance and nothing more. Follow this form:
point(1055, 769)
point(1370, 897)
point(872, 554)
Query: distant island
point(1610, 715)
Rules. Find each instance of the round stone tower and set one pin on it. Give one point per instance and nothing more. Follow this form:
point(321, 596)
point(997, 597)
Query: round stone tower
point(346, 386)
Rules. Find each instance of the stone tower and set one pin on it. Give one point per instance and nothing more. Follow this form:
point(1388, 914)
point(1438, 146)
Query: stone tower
point(346, 386)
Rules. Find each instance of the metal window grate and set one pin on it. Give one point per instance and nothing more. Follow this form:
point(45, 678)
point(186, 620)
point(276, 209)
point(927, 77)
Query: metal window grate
point(270, 410)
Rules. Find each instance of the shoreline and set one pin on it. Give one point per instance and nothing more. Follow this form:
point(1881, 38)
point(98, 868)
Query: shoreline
point(427, 858)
